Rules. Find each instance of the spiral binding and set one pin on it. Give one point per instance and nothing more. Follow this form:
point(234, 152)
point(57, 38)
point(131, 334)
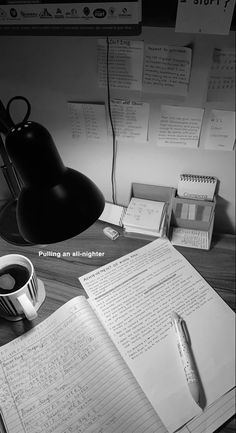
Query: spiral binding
point(197, 178)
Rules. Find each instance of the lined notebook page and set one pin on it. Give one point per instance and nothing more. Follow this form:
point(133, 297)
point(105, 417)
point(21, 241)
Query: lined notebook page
point(65, 376)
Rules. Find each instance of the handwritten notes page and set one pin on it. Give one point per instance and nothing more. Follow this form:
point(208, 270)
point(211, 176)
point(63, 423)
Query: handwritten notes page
point(88, 121)
point(204, 16)
point(191, 238)
point(179, 126)
point(167, 69)
point(130, 119)
point(134, 297)
point(65, 376)
point(221, 130)
point(221, 84)
point(125, 63)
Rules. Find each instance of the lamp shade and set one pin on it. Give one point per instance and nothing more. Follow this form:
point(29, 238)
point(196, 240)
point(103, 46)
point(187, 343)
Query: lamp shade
point(56, 202)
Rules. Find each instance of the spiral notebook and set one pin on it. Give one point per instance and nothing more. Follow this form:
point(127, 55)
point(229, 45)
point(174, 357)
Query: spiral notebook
point(196, 186)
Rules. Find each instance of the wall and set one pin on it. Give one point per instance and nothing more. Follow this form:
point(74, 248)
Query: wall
point(52, 70)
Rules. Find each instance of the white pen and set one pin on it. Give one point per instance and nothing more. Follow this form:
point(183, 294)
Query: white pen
point(186, 356)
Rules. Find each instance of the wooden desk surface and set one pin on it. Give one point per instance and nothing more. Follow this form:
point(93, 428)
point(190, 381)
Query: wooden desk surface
point(59, 266)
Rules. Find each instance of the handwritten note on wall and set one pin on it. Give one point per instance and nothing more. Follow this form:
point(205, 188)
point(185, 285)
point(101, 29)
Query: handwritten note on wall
point(179, 126)
point(130, 119)
point(88, 121)
point(204, 16)
point(221, 85)
point(221, 130)
point(167, 69)
point(125, 64)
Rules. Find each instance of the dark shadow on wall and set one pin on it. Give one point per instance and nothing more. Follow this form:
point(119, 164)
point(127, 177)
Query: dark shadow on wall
point(222, 222)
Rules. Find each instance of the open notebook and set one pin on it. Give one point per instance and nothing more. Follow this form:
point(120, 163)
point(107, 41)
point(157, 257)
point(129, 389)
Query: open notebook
point(67, 375)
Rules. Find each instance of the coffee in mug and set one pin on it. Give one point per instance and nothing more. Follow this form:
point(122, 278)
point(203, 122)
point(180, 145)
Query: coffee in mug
point(13, 277)
point(21, 292)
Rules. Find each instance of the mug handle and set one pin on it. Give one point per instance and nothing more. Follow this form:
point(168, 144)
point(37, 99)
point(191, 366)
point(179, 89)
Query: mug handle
point(27, 306)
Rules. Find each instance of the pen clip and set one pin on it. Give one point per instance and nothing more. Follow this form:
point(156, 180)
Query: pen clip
point(179, 324)
point(185, 331)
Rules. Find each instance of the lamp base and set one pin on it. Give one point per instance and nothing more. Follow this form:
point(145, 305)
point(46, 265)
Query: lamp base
point(8, 225)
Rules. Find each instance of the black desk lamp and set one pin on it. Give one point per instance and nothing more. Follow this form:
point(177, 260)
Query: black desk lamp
point(55, 202)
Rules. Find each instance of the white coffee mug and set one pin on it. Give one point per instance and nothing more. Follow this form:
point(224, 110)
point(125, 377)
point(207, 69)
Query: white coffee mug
point(26, 300)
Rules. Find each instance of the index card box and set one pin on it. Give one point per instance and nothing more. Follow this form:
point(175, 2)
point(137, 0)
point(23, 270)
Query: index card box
point(192, 222)
point(192, 214)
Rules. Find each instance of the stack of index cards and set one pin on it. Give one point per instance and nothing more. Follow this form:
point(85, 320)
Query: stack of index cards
point(146, 217)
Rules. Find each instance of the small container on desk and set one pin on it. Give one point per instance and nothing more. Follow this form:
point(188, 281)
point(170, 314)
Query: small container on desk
point(156, 193)
point(192, 222)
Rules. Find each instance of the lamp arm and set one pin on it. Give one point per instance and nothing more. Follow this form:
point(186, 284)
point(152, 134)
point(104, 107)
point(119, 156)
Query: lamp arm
point(6, 122)
point(11, 176)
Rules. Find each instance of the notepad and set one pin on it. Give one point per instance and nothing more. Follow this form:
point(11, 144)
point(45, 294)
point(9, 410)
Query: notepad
point(144, 216)
point(196, 187)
